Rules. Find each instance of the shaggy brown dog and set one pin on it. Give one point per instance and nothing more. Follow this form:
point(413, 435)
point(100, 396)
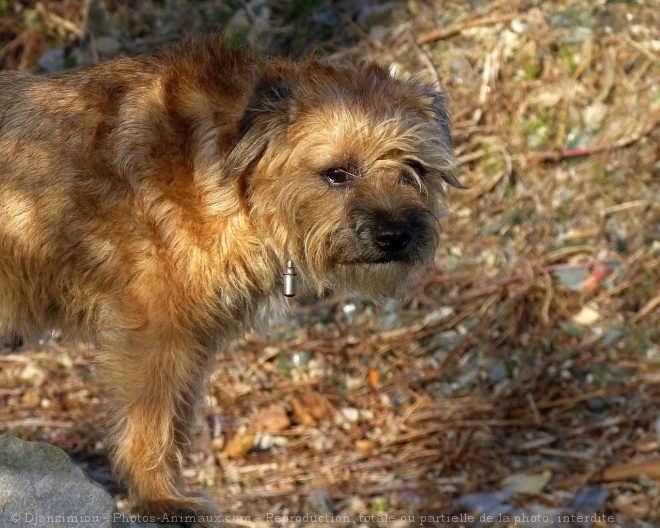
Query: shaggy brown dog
point(151, 204)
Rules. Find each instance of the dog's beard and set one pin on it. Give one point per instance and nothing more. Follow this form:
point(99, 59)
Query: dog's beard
point(419, 255)
point(377, 281)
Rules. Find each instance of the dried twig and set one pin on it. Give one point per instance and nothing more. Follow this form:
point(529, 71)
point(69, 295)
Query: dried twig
point(453, 30)
point(646, 309)
point(59, 21)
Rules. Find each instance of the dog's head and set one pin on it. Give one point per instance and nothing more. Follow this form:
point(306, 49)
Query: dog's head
point(345, 169)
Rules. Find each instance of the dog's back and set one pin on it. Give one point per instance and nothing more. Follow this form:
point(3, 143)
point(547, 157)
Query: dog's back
point(92, 162)
point(50, 190)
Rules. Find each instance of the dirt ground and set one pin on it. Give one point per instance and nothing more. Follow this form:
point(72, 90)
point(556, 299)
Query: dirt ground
point(518, 383)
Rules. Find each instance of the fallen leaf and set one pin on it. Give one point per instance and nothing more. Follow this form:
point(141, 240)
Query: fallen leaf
point(593, 281)
point(317, 405)
point(272, 419)
point(30, 399)
point(374, 378)
point(524, 484)
point(304, 417)
point(239, 446)
point(311, 407)
point(366, 447)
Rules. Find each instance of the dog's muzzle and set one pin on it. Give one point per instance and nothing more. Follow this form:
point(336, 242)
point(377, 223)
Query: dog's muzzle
point(393, 237)
point(379, 237)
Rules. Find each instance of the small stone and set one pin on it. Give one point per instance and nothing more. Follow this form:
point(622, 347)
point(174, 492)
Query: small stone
point(51, 60)
point(32, 373)
point(107, 46)
point(586, 317)
point(351, 414)
point(594, 115)
point(439, 315)
point(264, 442)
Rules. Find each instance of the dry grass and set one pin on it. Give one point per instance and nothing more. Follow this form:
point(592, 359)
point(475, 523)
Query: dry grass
point(521, 375)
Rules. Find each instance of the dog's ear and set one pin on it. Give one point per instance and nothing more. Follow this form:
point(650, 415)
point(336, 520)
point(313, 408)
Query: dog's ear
point(265, 118)
point(443, 121)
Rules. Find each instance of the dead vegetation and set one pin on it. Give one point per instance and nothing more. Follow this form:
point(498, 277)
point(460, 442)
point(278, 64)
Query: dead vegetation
point(521, 375)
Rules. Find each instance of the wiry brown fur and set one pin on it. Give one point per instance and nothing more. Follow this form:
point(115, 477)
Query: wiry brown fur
point(151, 203)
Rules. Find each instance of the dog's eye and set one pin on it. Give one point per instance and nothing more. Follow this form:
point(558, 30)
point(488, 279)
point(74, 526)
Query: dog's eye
point(337, 176)
point(417, 167)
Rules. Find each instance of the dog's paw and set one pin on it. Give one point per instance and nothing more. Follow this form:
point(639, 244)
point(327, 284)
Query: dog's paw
point(193, 510)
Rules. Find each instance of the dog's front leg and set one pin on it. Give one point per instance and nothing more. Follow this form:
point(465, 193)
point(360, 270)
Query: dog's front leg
point(154, 376)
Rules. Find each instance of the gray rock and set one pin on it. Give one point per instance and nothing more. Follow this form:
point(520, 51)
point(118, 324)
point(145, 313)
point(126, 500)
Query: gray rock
point(41, 488)
point(51, 61)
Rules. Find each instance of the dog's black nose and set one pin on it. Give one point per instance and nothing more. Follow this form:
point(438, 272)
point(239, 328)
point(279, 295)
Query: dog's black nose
point(393, 237)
